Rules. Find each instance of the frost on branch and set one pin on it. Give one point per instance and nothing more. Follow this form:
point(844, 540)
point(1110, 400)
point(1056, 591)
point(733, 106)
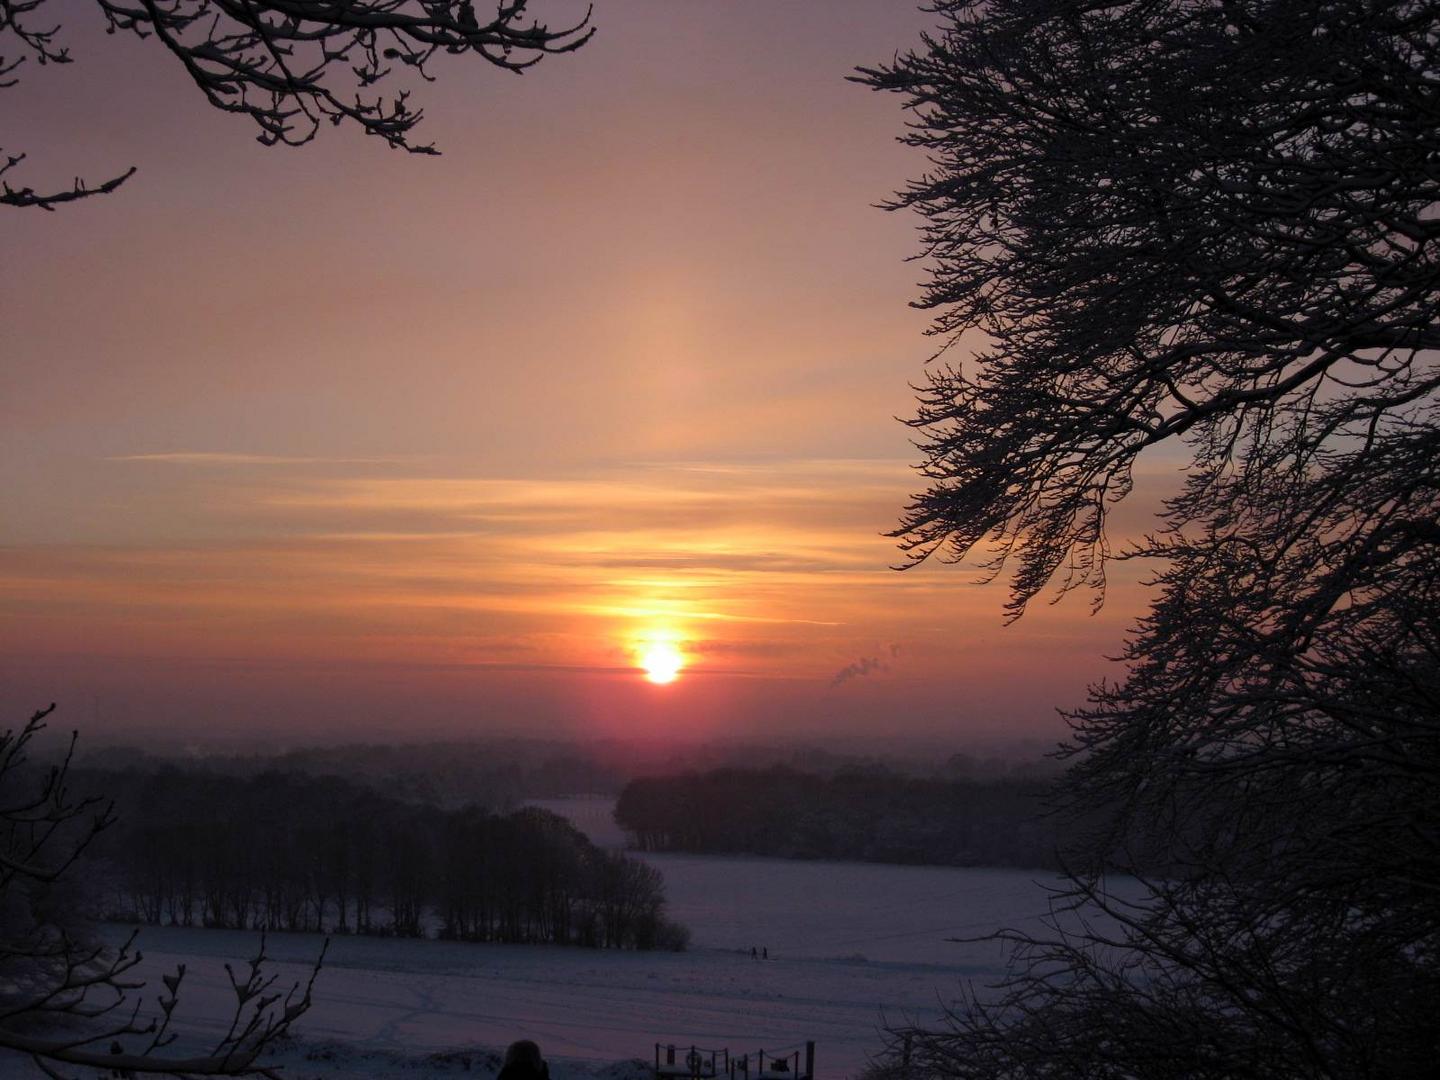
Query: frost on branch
point(1209, 225)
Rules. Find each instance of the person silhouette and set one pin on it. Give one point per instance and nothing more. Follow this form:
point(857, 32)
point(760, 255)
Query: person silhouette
point(753, 953)
point(765, 953)
point(523, 1062)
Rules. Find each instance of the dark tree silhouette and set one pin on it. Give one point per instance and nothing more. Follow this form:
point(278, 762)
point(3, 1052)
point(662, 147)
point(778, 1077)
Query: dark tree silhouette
point(289, 65)
point(342, 859)
point(1209, 224)
point(50, 977)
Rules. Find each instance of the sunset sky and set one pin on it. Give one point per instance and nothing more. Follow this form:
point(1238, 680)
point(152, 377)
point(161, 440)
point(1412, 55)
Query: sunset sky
point(343, 442)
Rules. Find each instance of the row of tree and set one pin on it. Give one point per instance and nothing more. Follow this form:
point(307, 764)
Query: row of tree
point(870, 815)
point(299, 853)
point(499, 773)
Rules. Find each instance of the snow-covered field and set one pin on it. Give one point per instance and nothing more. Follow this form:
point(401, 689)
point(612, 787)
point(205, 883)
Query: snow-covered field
point(850, 945)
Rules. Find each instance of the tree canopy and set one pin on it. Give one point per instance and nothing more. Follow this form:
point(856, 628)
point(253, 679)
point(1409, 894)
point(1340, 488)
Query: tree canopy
point(1209, 224)
point(1199, 221)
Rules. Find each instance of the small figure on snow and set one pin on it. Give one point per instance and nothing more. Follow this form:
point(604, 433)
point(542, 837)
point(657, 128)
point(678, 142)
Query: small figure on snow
point(523, 1062)
point(753, 953)
point(766, 953)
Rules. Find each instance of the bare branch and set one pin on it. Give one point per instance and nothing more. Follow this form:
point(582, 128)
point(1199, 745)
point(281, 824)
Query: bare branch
point(293, 65)
point(50, 976)
point(1209, 225)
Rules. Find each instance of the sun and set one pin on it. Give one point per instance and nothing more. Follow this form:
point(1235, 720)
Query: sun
point(662, 661)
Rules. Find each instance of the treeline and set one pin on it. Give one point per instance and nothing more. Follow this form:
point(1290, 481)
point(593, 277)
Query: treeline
point(291, 852)
point(498, 774)
point(868, 815)
point(501, 773)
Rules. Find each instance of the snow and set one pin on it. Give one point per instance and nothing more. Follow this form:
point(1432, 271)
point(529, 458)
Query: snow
point(850, 912)
point(415, 998)
point(833, 910)
point(850, 946)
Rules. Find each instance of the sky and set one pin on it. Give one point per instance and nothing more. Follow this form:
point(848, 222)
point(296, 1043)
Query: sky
point(339, 442)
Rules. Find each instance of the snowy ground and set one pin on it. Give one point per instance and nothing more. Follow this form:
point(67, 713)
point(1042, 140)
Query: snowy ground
point(850, 945)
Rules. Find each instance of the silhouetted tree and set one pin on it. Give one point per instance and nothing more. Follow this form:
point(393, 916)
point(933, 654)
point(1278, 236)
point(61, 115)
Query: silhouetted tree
point(1206, 224)
point(48, 974)
point(339, 858)
point(289, 65)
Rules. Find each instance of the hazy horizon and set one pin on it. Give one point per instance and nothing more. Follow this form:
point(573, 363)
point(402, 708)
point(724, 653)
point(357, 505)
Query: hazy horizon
point(644, 753)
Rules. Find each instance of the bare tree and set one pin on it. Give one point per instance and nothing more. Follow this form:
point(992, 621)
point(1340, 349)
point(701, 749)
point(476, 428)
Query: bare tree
point(1209, 224)
point(289, 65)
point(67, 1003)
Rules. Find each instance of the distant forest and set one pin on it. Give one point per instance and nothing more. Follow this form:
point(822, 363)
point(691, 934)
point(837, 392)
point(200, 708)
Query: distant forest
point(869, 815)
point(284, 851)
point(501, 773)
point(497, 774)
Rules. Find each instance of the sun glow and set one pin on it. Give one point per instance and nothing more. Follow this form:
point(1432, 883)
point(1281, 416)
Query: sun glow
point(662, 661)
